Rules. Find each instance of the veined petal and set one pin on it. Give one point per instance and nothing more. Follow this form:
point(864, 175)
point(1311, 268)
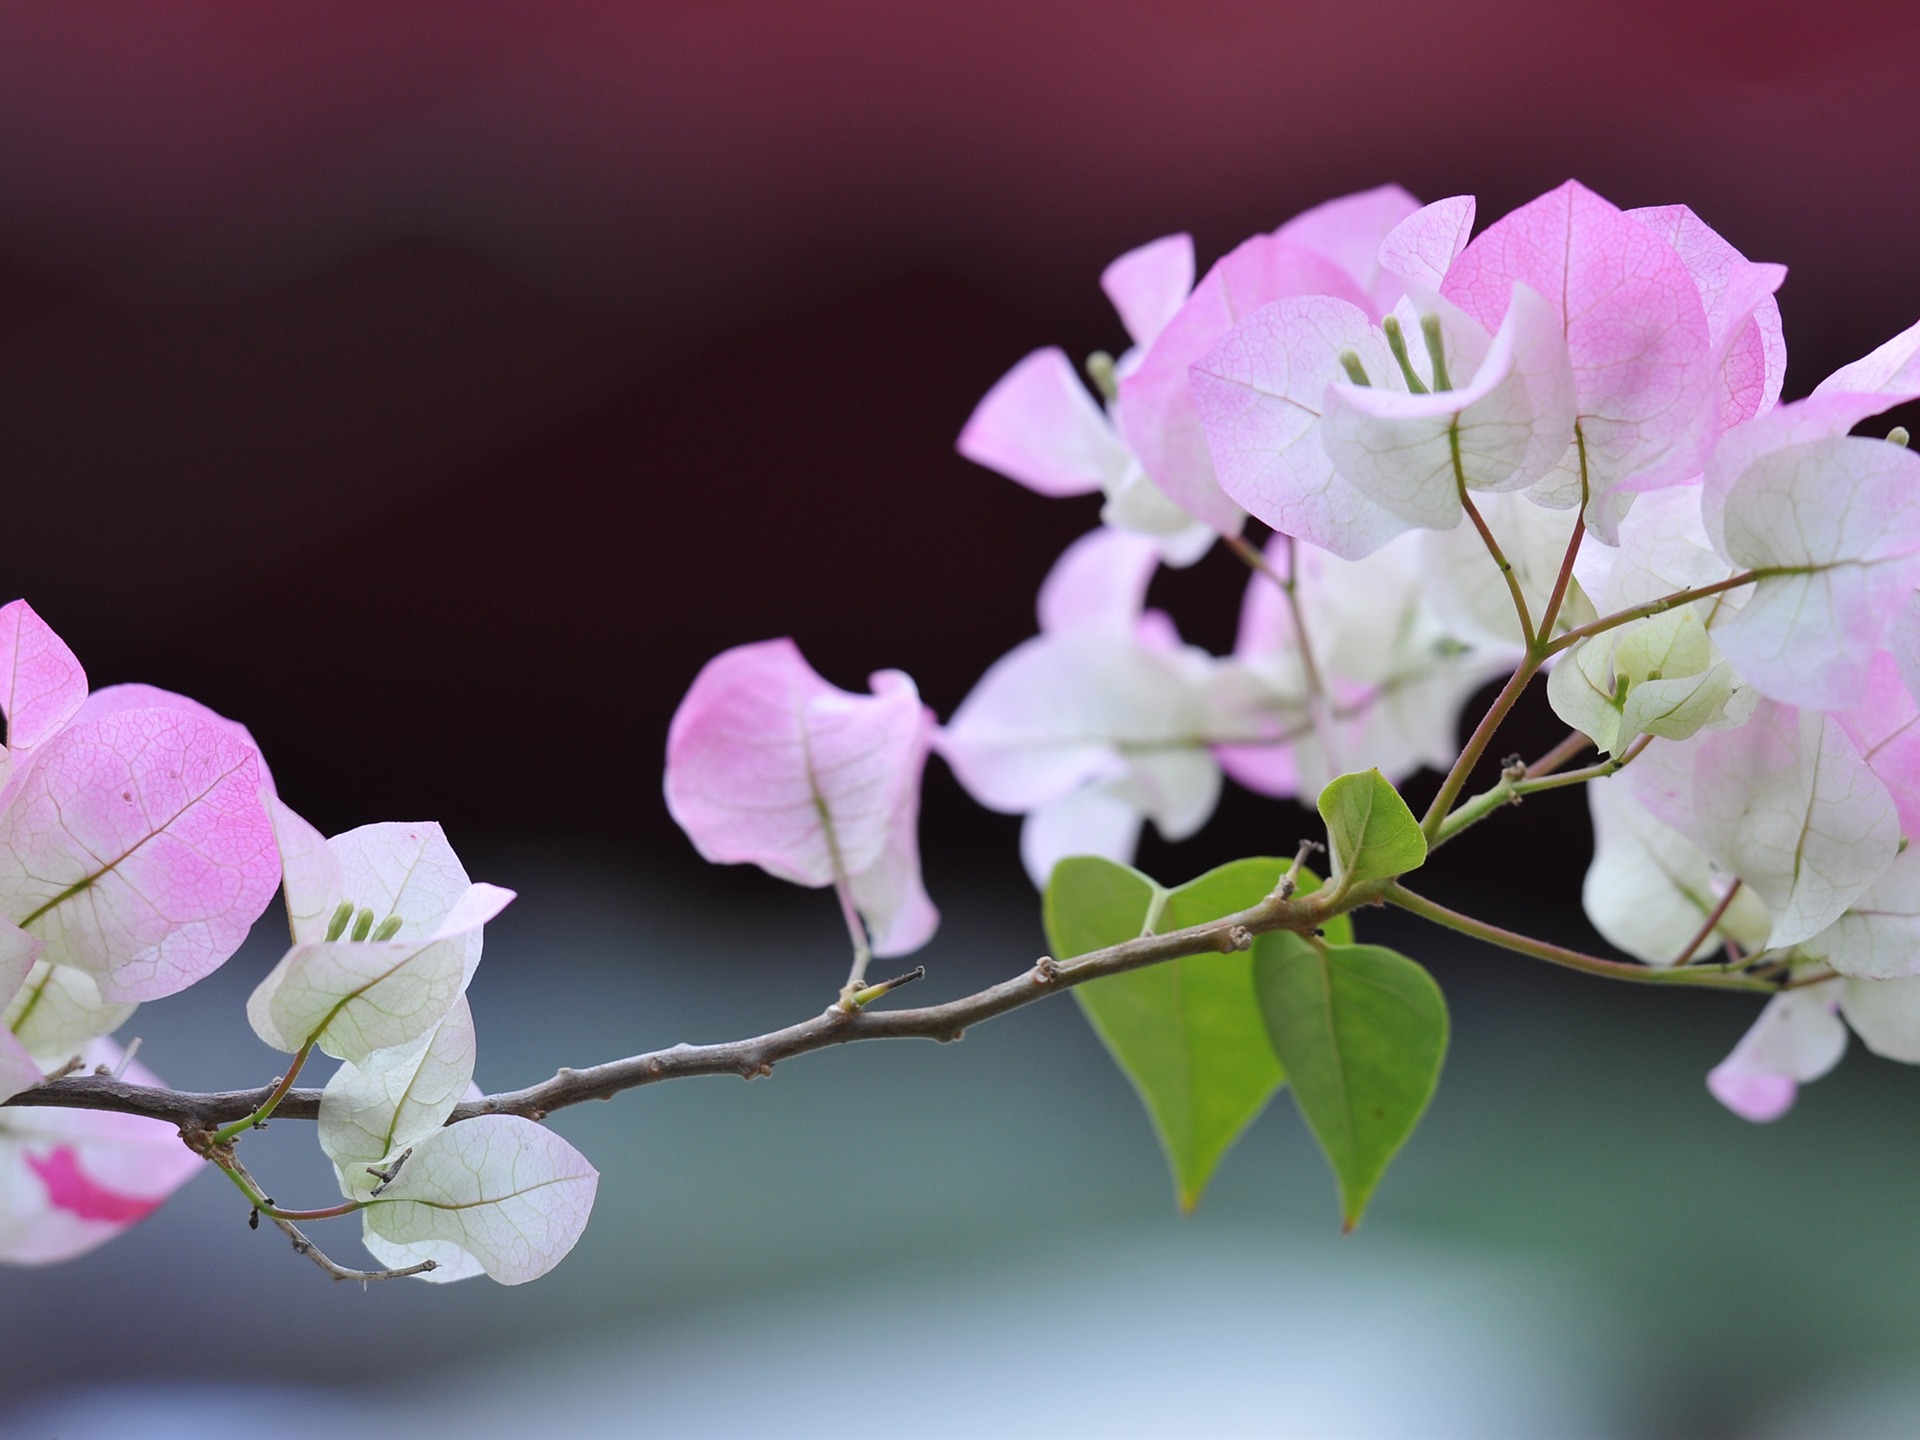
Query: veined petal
point(1879, 936)
point(1786, 803)
point(1260, 394)
point(1649, 889)
point(769, 764)
point(506, 1191)
point(112, 699)
point(1645, 379)
point(41, 683)
point(355, 997)
point(1422, 248)
point(57, 1010)
point(1061, 711)
point(1885, 728)
point(1743, 320)
point(405, 870)
point(1038, 425)
point(137, 847)
point(1841, 517)
point(1156, 411)
point(374, 1110)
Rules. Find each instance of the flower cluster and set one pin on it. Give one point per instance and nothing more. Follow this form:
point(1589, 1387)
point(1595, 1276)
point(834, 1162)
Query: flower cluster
point(1554, 445)
point(138, 836)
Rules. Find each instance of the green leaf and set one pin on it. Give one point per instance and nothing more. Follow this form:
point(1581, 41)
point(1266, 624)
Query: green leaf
point(1373, 834)
point(1362, 1031)
point(1188, 1033)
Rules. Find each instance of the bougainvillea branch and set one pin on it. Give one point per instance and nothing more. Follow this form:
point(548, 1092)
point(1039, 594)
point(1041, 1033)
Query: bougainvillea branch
point(1582, 476)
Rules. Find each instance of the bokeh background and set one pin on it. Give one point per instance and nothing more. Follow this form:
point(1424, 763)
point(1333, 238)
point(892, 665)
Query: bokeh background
point(436, 386)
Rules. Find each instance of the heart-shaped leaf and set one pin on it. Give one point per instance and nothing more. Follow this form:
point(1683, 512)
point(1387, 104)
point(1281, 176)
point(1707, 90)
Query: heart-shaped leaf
point(1373, 834)
point(1188, 1032)
point(1362, 1031)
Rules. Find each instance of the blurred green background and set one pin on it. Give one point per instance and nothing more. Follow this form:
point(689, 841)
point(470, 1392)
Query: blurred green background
point(903, 1237)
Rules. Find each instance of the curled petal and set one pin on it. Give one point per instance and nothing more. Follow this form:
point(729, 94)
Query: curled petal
point(352, 998)
point(1796, 1039)
point(1148, 285)
point(1038, 425)
point(1503, 430)
point(770, 765)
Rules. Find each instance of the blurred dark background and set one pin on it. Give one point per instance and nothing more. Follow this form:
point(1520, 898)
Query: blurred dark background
point(434, 387)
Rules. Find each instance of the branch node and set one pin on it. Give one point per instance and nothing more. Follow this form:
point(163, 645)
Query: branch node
point(1288, 883)
point(387, 1176)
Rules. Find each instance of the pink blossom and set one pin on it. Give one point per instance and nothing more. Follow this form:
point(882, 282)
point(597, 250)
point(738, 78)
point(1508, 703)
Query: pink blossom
point(768, 764)
point(71, 1180)
point(1646, 378)
point(1096, 723)
point(1038, 424)
point(1331, 250)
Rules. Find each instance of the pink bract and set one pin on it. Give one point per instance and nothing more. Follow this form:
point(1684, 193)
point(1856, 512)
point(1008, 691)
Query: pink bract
point(770, 765)
point(137, 848)
point(1330, 250)
point(73, 1179)
point(1645, 383)
point(41, 682)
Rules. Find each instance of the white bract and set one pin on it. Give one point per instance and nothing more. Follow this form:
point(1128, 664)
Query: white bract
point(386, 929)
point(1096, 722)
point(1658, 676)
point(1785, 803)
point(1396, 676)
point(1650, 890)
point(373, 1110)
point(504, 1191)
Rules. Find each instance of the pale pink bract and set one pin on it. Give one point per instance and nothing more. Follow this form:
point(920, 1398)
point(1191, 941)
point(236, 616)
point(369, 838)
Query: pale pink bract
point(768, 764)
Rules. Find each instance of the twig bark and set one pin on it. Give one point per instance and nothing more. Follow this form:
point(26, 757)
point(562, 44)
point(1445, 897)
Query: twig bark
point(207, 1111)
